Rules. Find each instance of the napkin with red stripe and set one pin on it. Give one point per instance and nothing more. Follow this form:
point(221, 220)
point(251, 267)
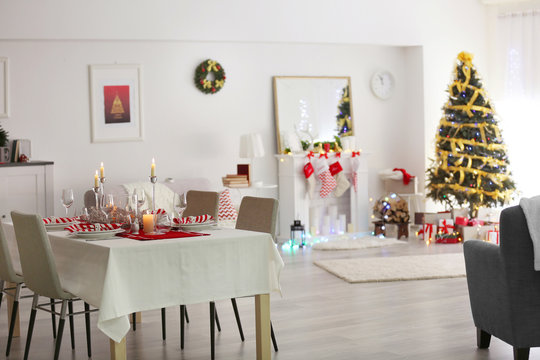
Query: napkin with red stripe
point(58, 220)
point(201, 219)
point(92, 227)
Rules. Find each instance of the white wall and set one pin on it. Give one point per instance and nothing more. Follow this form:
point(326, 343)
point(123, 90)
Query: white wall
point(51, 44)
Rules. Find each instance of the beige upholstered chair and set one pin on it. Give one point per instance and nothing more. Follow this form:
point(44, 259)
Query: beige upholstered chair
point(40, 275)
point(255, 214)
point(201, 203)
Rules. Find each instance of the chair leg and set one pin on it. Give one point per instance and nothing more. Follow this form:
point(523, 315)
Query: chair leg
point(13, 317)
point(71, 325)
point(163, 324)
point(53, 318)
point(183, 314)
point(482, 339)
point(212, 329)
point(60, 330)
point(521, 353)
point(134, 321)
point(187, 317)
point(31, 326)
point(217, 319)
point(274, 342)
point(237, 315)
point(1, 291)
point(88, 334)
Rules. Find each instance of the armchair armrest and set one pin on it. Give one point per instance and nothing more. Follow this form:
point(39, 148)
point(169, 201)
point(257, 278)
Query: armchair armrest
point(487, 284)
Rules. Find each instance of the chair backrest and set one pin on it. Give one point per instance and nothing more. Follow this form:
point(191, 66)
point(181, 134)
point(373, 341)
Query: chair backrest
point(89, 199)
point(37, 261)
point(201, 203)
point(7, 273)
point(258, 214)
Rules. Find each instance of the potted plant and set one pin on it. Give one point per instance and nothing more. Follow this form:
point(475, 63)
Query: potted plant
point(4, 150)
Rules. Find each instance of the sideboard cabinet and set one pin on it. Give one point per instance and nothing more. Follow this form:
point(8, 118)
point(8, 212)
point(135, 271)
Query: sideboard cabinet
point(26, 187)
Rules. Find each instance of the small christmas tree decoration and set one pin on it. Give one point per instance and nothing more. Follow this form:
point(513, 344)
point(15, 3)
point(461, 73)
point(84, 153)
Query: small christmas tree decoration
point(344, 122)
point(471, 165)
point(3, 137)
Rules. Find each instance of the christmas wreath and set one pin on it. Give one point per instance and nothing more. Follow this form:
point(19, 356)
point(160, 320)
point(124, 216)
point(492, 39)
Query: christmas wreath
point(209, 67)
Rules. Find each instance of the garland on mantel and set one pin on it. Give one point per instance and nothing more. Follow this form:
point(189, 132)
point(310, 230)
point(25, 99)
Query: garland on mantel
point(206, 68)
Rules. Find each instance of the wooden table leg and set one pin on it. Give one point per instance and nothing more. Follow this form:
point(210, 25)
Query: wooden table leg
point(262, 326)
point(138, 318)
point(118, 350)
point(10, 300)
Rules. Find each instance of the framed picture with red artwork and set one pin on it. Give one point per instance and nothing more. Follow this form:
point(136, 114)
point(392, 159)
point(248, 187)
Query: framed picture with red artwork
point(115, 103)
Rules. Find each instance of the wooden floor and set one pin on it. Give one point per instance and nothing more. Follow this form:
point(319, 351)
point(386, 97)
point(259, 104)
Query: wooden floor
point(318, 317)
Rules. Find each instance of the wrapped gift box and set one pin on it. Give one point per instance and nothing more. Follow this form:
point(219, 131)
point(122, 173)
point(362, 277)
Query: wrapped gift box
point(468, 232)
point(421, 218)
point(397, 186)
point(489, 215)
point(461, 212)
point(446, 226)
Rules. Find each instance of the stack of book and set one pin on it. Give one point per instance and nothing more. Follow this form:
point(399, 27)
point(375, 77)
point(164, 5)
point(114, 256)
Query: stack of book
point(235, 181)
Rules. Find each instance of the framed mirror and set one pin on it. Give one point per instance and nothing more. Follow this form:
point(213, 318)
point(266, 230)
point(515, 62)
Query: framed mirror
point(311, 109)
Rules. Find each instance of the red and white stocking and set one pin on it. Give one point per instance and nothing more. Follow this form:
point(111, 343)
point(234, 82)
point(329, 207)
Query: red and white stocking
point(310, 179)
point(355, 165)
point(328, 182)
point(342, 183)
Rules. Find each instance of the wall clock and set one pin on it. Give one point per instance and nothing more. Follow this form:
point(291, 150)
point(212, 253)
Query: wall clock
point(383, 84)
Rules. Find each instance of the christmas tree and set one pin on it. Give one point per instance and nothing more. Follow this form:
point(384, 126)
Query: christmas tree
point(471, 165)
point(344, 117)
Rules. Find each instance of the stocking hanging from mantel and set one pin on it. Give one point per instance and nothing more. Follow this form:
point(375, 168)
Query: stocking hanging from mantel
point(310, 179)
point(323, 172)
point(355, 165)
point(336, 170)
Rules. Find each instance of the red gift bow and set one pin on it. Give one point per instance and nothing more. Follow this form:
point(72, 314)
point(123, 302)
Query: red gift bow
point(406, 176)
point(446, 227)
point(323, 155)
point(310, 155)
point(338, 155)
point(355, 153)
point(429, 228)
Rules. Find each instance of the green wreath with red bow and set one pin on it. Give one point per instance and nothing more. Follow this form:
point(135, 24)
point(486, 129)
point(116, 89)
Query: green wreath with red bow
point(201, 76)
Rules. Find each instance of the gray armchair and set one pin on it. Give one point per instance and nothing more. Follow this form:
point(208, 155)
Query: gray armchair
point(504, 288)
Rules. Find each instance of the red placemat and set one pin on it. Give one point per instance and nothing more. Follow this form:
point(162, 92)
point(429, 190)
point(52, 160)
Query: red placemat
point(168, 235)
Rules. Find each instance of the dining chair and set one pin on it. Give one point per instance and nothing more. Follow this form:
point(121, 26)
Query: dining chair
point(9, 275)
point(255, 214)
point(198, 203)
point(41, 277)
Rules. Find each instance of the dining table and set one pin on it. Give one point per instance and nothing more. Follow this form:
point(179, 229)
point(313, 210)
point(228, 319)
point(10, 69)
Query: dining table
point(120, 276)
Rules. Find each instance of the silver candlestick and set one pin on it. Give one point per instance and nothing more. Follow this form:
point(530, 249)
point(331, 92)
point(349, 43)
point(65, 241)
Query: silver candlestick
point(153, 180)
point(96, 193)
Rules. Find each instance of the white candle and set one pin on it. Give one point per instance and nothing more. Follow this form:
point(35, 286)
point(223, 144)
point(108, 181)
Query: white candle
point(153, 168)
point(148, 223)
point(350, 228)
point(102, 170)
point(96, 180)
point(342, 223)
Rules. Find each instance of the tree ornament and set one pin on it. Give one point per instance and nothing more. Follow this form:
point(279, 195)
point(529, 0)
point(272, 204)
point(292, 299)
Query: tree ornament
point(471, 165)
point(202, 73)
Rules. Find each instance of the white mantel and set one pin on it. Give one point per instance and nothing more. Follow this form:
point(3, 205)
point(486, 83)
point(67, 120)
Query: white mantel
point(295, 203)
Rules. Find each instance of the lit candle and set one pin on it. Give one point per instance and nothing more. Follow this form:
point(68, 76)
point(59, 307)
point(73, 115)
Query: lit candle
point(102, 170)
point(96, 180)
point(153, 168)
point(148, 223)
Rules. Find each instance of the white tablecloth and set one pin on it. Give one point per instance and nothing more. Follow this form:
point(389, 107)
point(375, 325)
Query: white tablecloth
point(122, 276)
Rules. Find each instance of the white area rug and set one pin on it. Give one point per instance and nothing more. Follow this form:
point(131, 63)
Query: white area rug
point(417, 267)
point(348, 243)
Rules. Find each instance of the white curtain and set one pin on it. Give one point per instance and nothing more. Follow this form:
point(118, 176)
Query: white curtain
point(518, 43)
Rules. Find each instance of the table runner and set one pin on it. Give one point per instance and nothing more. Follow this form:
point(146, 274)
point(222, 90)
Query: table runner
point(142, 236)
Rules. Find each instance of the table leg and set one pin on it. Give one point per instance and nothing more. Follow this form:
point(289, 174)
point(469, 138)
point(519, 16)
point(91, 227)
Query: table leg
point(138, 317)
point(10, 300)
point(118, 350)
point(262, 326)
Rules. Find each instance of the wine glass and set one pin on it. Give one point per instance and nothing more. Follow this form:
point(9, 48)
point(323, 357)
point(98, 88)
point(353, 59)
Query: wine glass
point(67, 199)
point(179, 203)
point(141, 197)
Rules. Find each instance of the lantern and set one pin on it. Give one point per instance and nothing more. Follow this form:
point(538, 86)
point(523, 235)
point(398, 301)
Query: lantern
point(298, 234)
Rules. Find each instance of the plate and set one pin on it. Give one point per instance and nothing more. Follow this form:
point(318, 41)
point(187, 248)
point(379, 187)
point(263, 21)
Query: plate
point(58, 227)
point(97, 235)
point(196, 226)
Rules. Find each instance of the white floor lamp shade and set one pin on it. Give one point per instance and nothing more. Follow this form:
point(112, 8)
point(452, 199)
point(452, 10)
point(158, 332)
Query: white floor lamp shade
point(251, 146)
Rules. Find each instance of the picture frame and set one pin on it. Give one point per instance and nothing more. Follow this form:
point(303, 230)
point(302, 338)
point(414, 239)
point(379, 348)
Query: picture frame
point(115, 102)
point(4, 87)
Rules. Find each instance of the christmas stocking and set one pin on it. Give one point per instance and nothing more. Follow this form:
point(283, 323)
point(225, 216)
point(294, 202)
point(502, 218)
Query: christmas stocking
point(310, 179)
point(355, 165)
point(328, 182)
point(342, 183)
